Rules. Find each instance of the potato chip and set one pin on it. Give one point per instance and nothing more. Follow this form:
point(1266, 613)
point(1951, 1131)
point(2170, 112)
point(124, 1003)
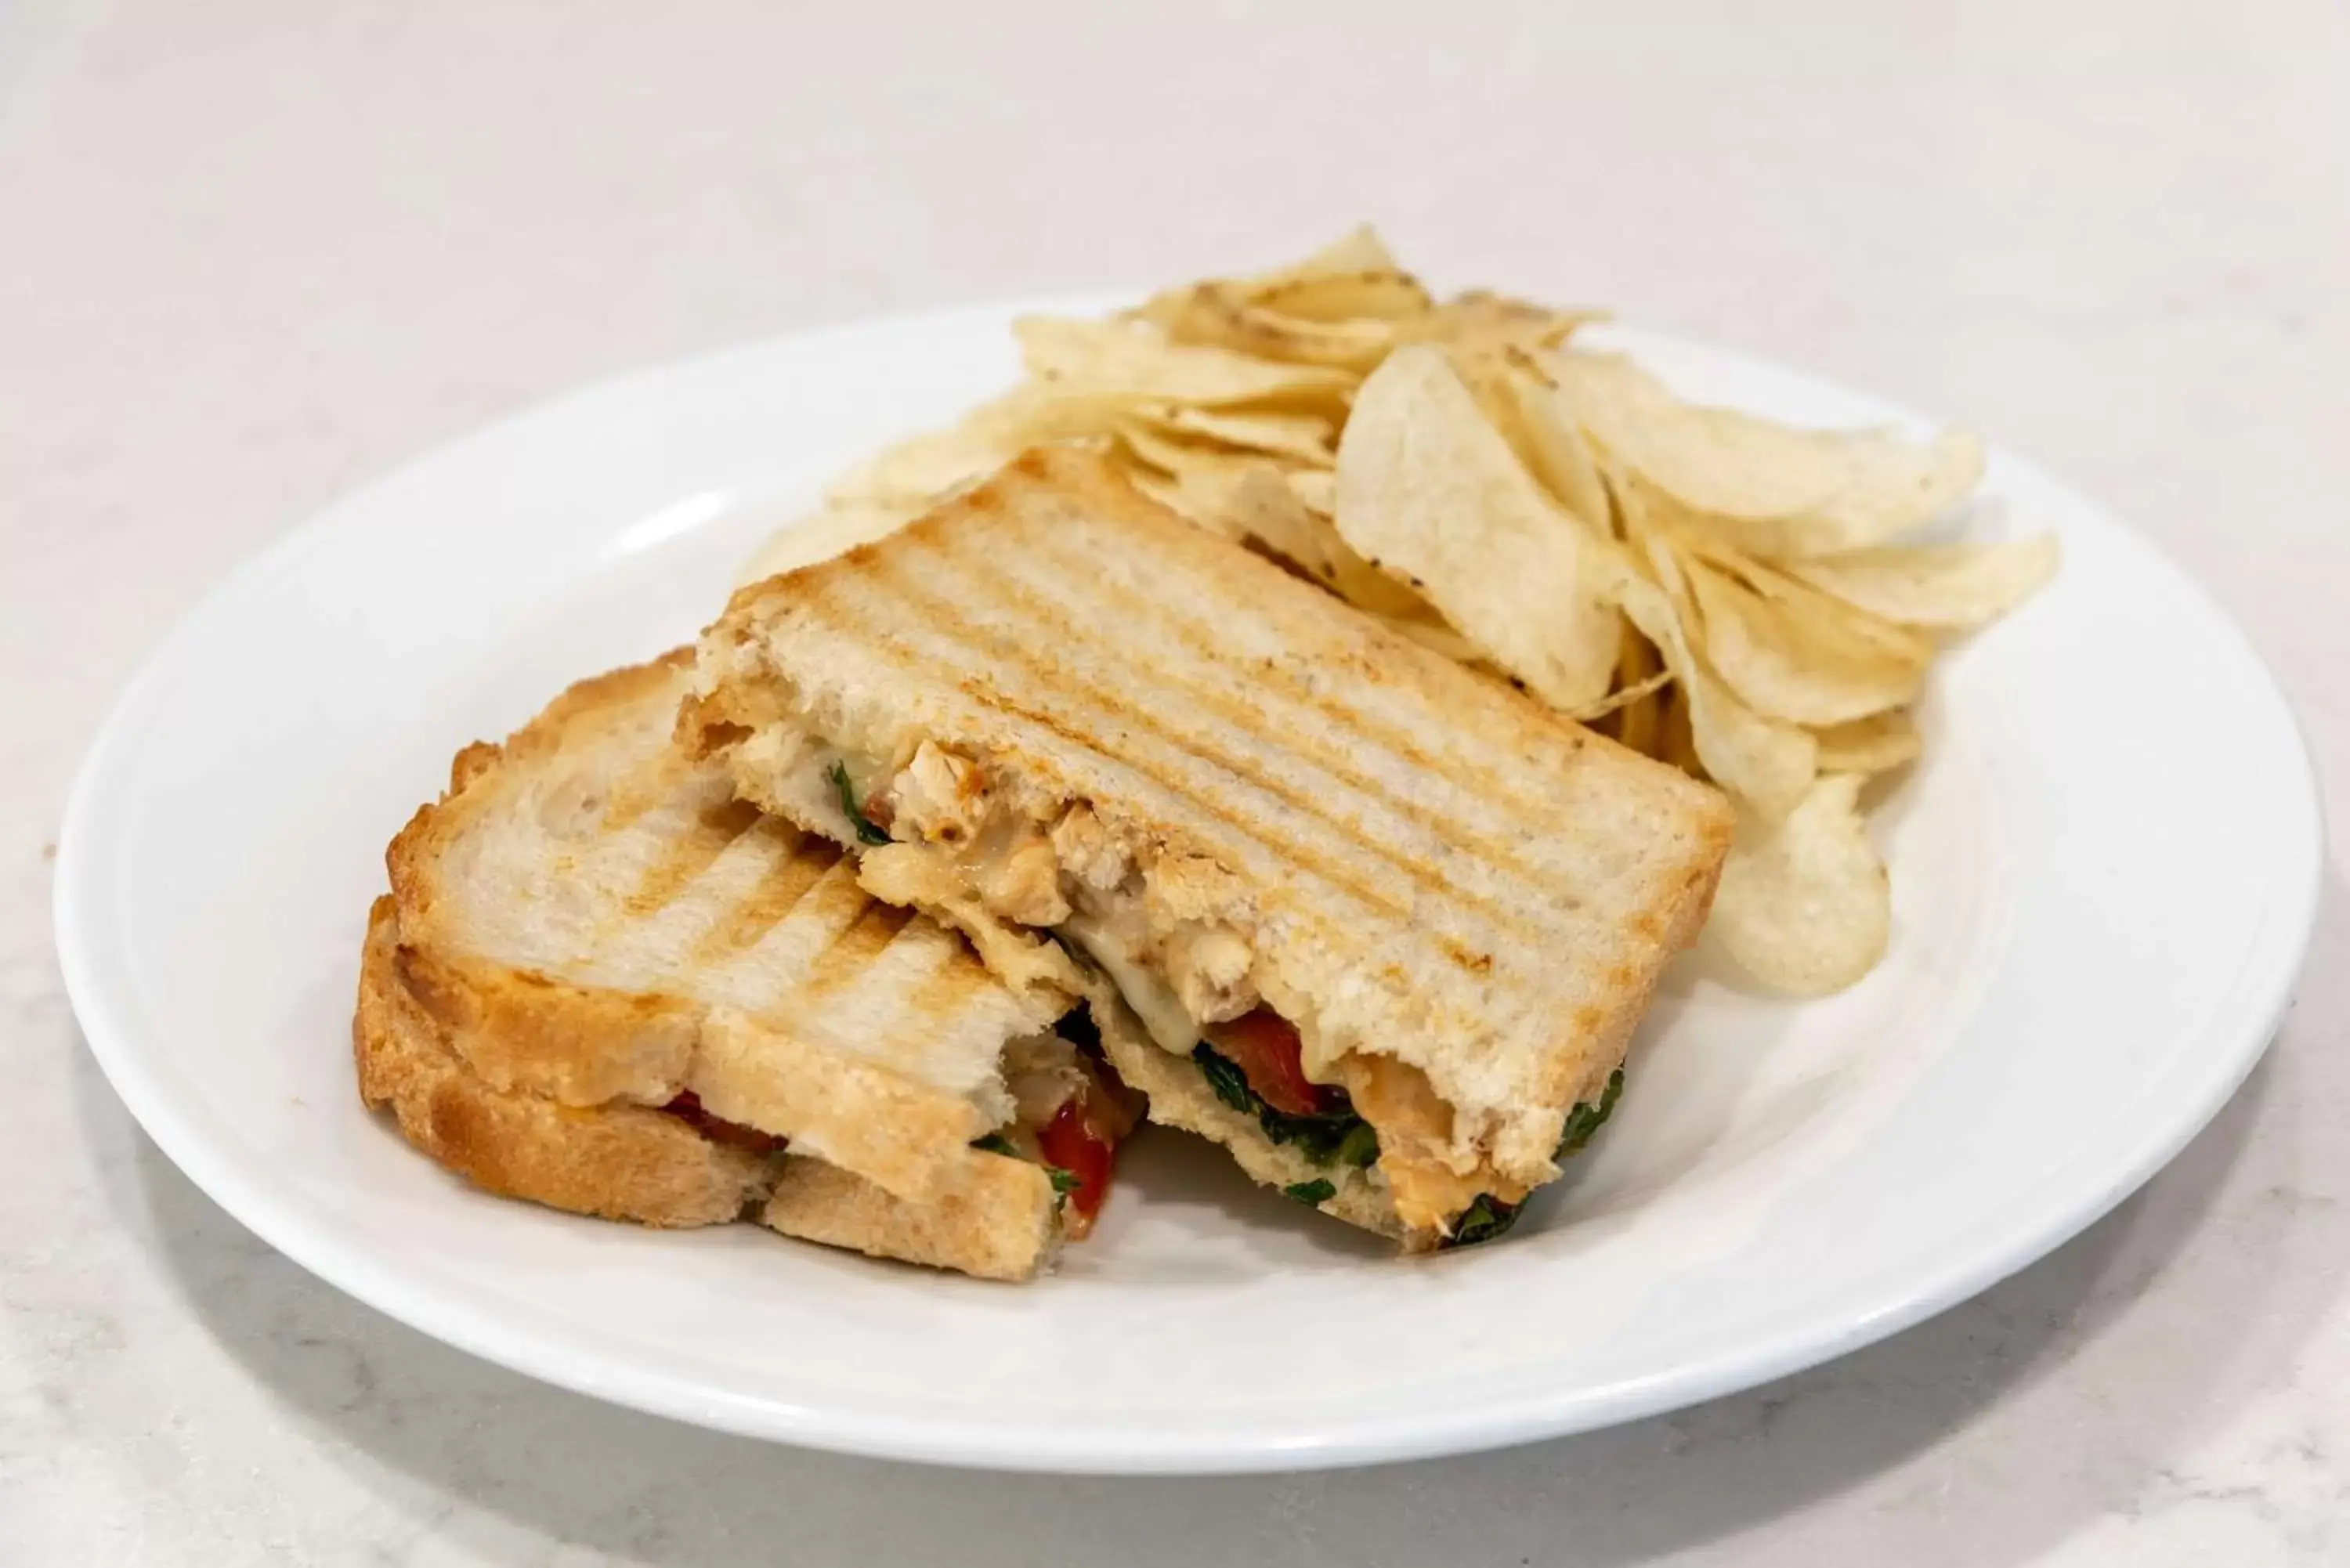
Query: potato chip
point(1876, 744)
point(1805, 905)
point(1319, 489)
point(834, 530)
point(1219, 316)
point(1177, 456)
point(1308, 438)
point(1260, 501)
point(1844, 628)
point(1552, 443)
point(1436, 635)
point(1624, 697)
point(1788, 667)
point(1248, 498)
point(1431, 493)
point(1353, 277)
point(1135, 357)
point(1765, 763)
point(1953, 588)
point(1780, 492)
point(1384, 296)
point(929, 465)
point(1639, 723)
point(1189, 503)
point(1484, 322)
point(1358, 250)
point(1676, 740)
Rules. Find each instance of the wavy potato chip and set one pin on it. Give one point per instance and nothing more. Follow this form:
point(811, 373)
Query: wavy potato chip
point(928, 466)
point(1845, 629)
point(1766, 763)
point(1190, 505)
point(1552, 443)
point(1221, 315)
point(1319, 489)
point(1308, 438)
point(1355, 275)
point(1383, 294)
point(1785, 665)
point(1776, 490)
point(1135, 357)
point(1640, 722)
point(1436, 635)
point(1805, 904)
point(1951, 587)
point(1252, 500)
point(1878, 743)
point(1484, 322)
point(1431, 492)
point(915, 471)
point(835, 529)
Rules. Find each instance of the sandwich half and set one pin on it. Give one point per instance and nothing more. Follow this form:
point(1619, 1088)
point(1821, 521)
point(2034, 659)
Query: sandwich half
point(1387, 924)
point(603, 984)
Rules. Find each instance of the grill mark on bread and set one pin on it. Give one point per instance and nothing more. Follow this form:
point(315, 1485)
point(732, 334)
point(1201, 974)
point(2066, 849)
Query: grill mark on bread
point(1504, 792)
point(856, 949)
point(1451, 827)
point(689, 856)
point(1342, 638)
point(800, 860)
point(639, 792)
point(1202, 746)
point(949, 985)
point(1077, 734)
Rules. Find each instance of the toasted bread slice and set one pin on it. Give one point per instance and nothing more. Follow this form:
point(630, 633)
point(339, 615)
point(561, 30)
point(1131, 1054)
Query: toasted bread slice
point(592, 916)
point(1076, 717)
point(601, 983)
point(619, 1161)
point(625, 1162)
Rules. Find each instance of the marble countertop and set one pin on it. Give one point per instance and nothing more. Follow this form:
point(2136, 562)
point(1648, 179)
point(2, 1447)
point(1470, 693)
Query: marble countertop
point(252, 252)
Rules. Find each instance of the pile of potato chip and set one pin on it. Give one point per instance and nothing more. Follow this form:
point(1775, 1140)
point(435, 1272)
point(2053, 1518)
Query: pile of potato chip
point(1711, 588)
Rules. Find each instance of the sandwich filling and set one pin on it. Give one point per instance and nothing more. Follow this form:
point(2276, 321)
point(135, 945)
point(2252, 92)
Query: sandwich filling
point(1071, 1114)
point(1052, 898)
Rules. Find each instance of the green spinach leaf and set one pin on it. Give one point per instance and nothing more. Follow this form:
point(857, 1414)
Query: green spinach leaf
point(1586, 1118)
point(866, 832)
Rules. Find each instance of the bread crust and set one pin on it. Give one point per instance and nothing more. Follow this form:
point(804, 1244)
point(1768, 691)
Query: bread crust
point(618, 1162)
point(549, 1087)
point(1000, 1220)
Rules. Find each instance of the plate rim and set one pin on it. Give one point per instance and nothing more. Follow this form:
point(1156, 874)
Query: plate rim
point(2251, 1012)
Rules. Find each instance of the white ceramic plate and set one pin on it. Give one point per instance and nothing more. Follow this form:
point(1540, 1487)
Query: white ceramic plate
point(2104, 875)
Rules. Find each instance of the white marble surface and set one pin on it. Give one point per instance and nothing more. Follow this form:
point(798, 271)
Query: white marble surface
point(251, 253)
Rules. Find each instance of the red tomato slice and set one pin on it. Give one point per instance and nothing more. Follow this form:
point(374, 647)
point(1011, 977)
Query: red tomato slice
point(687, 1107)
point(1070, 1141)
point(1265, 1046)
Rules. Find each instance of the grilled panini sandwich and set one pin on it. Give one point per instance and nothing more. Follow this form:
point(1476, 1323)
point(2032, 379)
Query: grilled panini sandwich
point(603, 984)
point(1389, 924)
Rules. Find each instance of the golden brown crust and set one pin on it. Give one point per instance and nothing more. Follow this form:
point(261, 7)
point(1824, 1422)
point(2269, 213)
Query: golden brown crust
point(903, 1135)
point(620, 1162)
point(581, 1046)
point(1000, 1220)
